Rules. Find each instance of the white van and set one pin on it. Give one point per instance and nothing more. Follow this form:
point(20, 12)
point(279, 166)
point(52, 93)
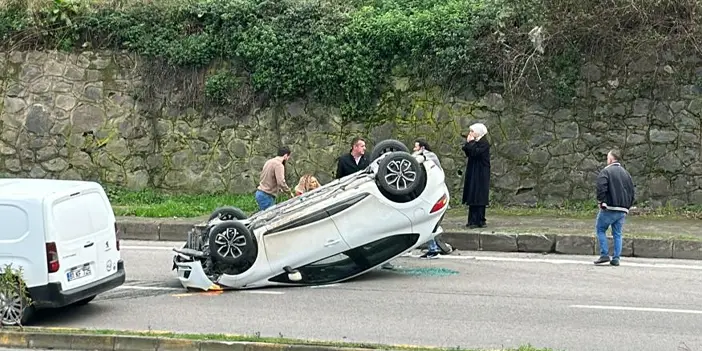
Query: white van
point(64, 237)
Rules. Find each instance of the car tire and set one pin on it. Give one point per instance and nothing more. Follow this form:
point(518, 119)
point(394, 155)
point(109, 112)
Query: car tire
point(232, 243)
point(11, 295)
point(227, 214)
point(399, 174)
point(388, 145)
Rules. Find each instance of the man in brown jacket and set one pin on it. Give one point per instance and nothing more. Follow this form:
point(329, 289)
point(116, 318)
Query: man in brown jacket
point(273, 179)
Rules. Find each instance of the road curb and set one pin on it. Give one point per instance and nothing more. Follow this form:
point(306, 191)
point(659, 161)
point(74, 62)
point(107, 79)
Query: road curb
point(153, 229)
point(41, 338)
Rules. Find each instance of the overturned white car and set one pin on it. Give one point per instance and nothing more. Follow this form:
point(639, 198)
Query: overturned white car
point(333, 233)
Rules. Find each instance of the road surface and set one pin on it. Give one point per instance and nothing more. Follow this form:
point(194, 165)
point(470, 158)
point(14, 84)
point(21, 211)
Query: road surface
point(471, 300)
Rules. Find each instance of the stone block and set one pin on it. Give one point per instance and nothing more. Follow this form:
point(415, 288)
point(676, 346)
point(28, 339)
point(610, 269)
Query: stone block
point(498, 242)
point(575, 244)
point(300, 347)
point(175, 230)
point(178, 345)
point(535, 243)
point(13, 339)
point(49, 341)
point(135, 343)
point(627, 246)
point(653, 248)
point(226, 346)
point(687, 249)
point(138, 229)
point(93, 342)
point(462, 240)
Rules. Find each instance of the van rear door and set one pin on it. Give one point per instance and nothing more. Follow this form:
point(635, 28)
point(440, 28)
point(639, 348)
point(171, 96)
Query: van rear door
point(82, 225)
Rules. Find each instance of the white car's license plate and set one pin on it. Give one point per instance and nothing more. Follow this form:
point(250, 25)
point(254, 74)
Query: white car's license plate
point(78, 272)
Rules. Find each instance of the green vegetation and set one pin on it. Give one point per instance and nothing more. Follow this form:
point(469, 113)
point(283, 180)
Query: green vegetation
point(257, 338)
point(343, 53)
point(12, 286)
point(159, 204)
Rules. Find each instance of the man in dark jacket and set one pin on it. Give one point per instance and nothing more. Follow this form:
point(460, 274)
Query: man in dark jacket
point(615, 195)
point(353, 161)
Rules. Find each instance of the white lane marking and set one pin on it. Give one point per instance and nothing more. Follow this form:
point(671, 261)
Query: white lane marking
point(500, 259)
point(324, 286)
point(148, 248)
point(639, 309)
point(564, 261)
point(137, 287)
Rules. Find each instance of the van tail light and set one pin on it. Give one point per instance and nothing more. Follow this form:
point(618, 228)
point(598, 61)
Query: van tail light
point(117, 236)
point(440, 204)
point(52, 259)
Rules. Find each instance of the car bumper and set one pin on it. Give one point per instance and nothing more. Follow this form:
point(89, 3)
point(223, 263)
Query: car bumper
point(52, 296)
point(192, 276)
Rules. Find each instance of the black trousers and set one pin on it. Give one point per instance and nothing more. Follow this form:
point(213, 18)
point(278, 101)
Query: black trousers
point(476, 215)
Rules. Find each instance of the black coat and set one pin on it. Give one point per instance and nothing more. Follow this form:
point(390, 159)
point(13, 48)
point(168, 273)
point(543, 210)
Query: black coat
point(476, 184)
point(347, 165)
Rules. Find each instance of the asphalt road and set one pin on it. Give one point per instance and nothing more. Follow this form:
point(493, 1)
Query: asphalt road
point(476, 300)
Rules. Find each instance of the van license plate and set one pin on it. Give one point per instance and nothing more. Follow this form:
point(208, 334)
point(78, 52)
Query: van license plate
point(77, 273)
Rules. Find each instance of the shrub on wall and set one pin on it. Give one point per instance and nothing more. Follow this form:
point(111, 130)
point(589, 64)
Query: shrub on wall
point(344, 52)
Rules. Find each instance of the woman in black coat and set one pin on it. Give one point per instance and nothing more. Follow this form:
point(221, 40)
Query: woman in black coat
point(476, 184)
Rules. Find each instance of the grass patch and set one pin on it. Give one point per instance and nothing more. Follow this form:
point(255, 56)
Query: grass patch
point(247, 338)
point(160, 204)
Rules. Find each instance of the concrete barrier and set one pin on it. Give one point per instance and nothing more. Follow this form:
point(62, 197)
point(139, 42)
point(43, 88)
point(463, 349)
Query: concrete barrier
point(135, 228)
point(39, 338)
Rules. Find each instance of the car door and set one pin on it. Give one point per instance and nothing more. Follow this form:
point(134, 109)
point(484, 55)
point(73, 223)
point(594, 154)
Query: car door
point(83, 226)
point(304, 238)
point(369, 219)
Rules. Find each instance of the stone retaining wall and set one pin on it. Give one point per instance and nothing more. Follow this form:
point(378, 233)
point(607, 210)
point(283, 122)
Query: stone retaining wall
point(75, 116)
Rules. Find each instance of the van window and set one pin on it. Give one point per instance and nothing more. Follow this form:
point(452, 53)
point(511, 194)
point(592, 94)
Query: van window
point(15, 223)
point(80, 215)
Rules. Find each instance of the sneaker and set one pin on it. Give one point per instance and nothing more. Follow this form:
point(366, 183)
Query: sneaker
point(602, 259)
point(388, 266)
point(614, 262)
point(429, 255)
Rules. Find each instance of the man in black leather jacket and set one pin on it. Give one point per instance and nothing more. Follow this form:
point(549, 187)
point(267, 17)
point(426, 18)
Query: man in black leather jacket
point(353, 161)
point(615, 196)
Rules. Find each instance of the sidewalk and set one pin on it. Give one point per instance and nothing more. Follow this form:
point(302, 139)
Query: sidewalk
point(635, 226)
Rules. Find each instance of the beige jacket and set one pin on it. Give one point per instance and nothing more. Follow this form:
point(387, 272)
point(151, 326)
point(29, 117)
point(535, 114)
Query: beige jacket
point(272, 179)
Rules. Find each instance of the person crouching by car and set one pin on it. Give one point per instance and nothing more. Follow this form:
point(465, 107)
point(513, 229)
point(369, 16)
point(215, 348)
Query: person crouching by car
point(422, 147)
point(307, 183)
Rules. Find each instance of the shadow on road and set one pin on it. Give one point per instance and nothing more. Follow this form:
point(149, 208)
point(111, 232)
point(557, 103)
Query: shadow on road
point(70, 314)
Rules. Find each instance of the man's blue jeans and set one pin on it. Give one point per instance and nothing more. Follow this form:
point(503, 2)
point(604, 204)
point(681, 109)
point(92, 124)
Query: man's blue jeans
point(605, 219)
point(433, 246)
point(264, 200)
